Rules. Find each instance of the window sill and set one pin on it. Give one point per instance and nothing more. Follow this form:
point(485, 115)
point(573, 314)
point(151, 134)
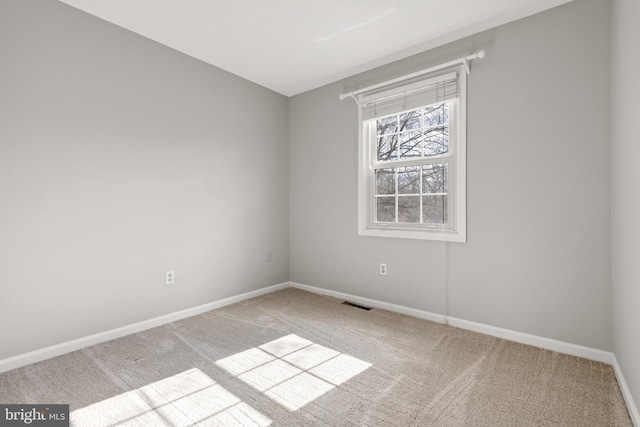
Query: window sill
point(428, 234)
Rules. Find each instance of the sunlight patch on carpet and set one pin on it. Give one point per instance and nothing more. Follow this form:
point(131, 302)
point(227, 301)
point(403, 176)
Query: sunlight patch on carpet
point(293, 371)
point(184, 399)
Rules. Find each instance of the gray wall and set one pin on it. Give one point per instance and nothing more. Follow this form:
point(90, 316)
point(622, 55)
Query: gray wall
point(121, 159)
point(537, 258)
point(625, 158)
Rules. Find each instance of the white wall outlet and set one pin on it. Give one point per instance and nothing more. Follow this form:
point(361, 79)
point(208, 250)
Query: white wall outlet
point(269, 255)
point(383, 269)
point(169, 277)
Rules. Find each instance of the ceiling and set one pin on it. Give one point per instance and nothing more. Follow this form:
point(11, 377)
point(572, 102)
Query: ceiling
point(291, 46)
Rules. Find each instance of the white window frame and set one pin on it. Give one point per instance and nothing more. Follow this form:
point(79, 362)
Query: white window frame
point(455, 230)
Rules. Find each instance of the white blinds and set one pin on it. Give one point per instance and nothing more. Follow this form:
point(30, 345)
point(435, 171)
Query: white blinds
point(409, 97)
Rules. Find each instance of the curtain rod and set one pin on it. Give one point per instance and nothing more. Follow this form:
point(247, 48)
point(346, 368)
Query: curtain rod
point(464, 60)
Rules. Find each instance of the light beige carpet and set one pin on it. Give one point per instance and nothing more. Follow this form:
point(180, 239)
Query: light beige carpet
point(292, 358)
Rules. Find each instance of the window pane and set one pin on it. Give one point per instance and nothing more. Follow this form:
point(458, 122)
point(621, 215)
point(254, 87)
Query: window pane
point(436, 141)
point(386, 209)
point(409, 180)
point(387, 125)
point(385, 181)
point(434, 178)
point(410, 144)
point(434, 210)
point(409, 209)
point(410, 120)
point(437, 114)
point(387, 147)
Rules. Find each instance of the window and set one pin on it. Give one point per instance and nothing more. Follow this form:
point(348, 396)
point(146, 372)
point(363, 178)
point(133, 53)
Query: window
point(412, 159)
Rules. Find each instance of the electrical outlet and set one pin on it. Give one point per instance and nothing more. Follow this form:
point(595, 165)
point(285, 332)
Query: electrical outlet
point(383, 269)
point(269, 255)
point(169, 277)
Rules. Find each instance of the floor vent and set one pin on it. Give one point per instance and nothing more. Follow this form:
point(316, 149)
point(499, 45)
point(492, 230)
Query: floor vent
point(352, 304)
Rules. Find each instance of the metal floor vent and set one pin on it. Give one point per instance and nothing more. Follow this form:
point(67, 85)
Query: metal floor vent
point(353, 304)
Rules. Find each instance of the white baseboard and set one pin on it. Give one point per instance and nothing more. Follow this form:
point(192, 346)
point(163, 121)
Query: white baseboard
point(519, 337)
point(626, 393)
point(77, 344)
point(420, 314)
point(534, 340)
